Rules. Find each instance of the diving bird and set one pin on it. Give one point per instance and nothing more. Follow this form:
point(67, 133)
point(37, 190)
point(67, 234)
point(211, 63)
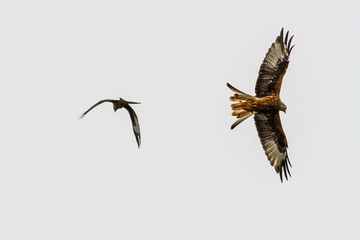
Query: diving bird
point(121, 103)
point(266, 104)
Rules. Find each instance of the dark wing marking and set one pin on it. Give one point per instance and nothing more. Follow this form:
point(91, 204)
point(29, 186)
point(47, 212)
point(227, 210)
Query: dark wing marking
point(273, 67)
point(273, 140)
point(100, 102)
point(135, 124)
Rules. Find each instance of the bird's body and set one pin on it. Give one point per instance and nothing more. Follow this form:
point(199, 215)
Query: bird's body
point(118, 104)
point(266, 104)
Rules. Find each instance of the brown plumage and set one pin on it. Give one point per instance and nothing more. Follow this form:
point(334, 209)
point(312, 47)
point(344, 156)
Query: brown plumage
point(266, 104)
point(121, 103)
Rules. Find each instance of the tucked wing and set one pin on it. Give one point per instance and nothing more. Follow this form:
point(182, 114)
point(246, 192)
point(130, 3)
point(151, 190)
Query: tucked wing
point(273, 67)
point(95, 105)
point(273, 140)
point(135, 124)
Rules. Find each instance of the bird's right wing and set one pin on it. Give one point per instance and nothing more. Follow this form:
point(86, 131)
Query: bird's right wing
point(273, 140)
point(100, 102)
point(135, 124)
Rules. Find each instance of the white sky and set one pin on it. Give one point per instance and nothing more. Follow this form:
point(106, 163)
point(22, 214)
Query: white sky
point(192, 178)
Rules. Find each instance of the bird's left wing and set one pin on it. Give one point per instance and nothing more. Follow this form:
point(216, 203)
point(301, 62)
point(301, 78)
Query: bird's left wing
point(96, 104)
point(135, 124)
point(273, 67)
point(273, 140)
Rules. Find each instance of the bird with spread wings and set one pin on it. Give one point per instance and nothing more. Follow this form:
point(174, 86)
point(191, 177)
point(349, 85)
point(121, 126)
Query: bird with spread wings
point(266, 104)
point(121, 103)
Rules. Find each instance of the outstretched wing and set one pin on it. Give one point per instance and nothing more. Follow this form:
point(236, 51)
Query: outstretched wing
point(135, 124)
point(273, 140)
point(274, 66)
point(100, 102)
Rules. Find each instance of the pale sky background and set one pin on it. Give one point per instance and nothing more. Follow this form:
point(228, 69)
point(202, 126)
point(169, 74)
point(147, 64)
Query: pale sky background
point(192, 178)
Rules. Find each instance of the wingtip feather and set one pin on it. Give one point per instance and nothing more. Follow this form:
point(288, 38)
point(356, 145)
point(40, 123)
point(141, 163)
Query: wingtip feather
point(291, 48)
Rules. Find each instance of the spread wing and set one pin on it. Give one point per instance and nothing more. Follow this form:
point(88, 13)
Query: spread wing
point(135, 124)
point(95, 105)
point(273, 140)
point(273, 67)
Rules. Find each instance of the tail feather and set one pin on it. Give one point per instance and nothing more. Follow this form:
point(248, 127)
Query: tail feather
point(242, 101)
point(241, 114)
point(237, 106)
point(238, 98)
point(238, 92)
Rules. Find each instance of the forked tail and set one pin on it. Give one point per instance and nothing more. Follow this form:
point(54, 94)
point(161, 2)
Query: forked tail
point(242, 106)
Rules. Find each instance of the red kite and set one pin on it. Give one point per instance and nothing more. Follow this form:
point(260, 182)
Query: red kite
point(266, 104)
point(117, 104)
